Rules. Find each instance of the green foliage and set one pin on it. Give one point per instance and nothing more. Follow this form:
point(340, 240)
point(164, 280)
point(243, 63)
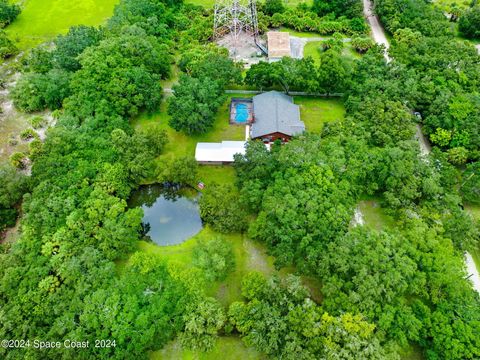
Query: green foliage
point(469, 24)
point(198, 95)
point(68, 47)
point(28, 134)
point(37, 122)
point(181, 170)
point(36, 91)
point(470, 186)
point(194, 104)
point(458, 155)
point(215, 257)
point(120, 76)
point(362, 44)
point(333, 73)
point(272, 7)
point(348, 8)
point(12, 187)
point(418, 15)
point(441, 137)
point(302, 209)
point(220, 207)
point(281, 321)
point(290, 74)
point(17, 160)
point(203, 320)
point(8, 13)
point(303, 19)
point(7, 48)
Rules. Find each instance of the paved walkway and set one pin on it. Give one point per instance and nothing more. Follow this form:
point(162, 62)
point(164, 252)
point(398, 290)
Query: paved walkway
point(377, 29)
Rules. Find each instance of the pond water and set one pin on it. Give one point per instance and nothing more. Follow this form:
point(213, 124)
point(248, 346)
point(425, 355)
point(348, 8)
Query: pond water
point(171, 215)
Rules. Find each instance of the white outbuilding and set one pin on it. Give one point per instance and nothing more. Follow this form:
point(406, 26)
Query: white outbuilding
point(218, 153)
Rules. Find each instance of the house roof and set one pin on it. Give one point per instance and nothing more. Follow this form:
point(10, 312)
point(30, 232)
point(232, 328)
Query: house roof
point(219, 152)
point(278, 44)
point(275, 112)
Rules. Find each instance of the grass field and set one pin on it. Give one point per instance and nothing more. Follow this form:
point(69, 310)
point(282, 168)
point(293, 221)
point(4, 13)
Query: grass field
point(227, 347)
point(374, 215)
point(315, 112)
point(181, 144)
point(42, 20)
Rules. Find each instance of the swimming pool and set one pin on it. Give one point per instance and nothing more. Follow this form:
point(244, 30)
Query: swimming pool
point(241, 113)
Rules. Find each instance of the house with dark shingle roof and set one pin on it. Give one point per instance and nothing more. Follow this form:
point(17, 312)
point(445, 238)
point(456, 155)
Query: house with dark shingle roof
point(276, 117)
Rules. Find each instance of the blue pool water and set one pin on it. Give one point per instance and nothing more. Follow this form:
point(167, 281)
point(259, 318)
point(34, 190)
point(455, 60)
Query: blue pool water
point(241, 114)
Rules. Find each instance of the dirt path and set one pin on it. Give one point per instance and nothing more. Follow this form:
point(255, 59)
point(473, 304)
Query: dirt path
point(472, 271)
point(377, 30)
point(425, 146)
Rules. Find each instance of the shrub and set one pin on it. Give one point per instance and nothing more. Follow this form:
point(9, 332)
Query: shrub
point(471, 183)
point(35, 148)
point(215, 257)
point(37, 122)
point(8, 218)
point(469, 24)
point(362, 44)
point(28, 134)
point(203, 320)
point(7, 48)
point(18, 160)
point(8, 13)
point(458, 155)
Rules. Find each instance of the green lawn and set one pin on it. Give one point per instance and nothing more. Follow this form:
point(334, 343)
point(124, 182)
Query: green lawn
point(181, 144)
point(42, 20)
point(313, 49)
point(315, 112)
point(227, 347)
point(374, 215)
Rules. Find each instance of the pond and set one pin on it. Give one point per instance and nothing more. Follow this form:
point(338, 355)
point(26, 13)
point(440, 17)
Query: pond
point(171, 215)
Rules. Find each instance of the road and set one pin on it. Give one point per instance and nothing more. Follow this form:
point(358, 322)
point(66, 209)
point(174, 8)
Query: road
point(377, 28)
point(472, 271)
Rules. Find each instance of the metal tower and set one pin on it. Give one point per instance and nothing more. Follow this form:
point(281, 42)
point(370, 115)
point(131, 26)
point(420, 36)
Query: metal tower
point(234, 17)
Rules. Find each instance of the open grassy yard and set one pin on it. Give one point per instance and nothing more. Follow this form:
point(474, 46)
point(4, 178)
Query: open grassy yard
point(227, 347)
point(42, 20)
point(313, 49)
point(181, 144)
point(315, 111)
point(374, 215)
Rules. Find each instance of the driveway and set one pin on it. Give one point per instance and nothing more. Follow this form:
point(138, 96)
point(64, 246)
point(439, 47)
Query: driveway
point(377, 29)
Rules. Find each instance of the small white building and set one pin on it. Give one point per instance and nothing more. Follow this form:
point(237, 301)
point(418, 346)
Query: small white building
point(218, 153)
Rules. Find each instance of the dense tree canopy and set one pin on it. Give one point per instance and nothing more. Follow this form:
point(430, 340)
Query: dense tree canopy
point(469, 24)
